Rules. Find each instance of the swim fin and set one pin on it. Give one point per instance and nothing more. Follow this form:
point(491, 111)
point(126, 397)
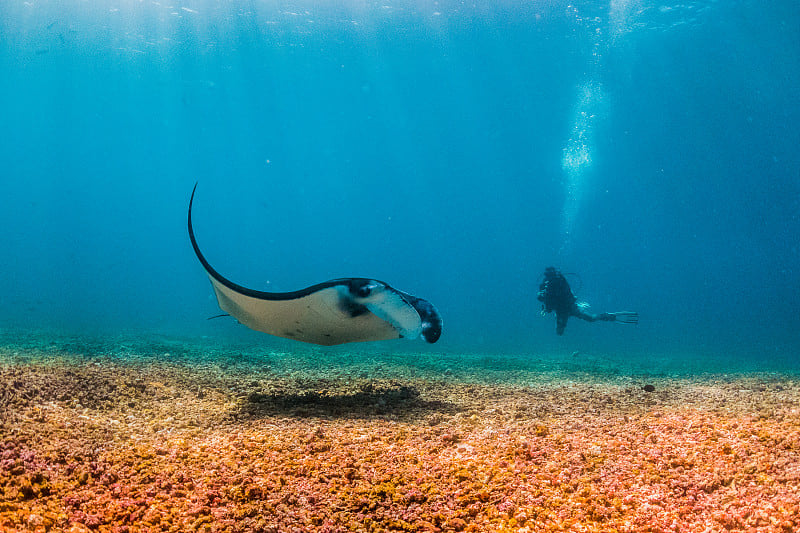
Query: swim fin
point(626, 317)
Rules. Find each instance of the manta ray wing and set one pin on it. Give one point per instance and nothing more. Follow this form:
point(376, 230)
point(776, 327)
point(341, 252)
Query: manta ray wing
point(333, 312)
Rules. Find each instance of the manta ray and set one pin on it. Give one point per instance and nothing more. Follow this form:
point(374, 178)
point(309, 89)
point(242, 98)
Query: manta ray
point(328, 313)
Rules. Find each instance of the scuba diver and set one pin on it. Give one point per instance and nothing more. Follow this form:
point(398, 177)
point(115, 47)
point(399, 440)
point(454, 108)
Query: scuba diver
point(555, 295)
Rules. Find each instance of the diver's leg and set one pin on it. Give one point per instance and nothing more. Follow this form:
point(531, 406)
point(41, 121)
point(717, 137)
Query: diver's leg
point(561, 322)
point(589, 317)
point(624, 317)
point(576, 312)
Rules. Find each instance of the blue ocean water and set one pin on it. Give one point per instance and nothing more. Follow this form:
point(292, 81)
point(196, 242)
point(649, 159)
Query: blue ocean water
point(451, 149)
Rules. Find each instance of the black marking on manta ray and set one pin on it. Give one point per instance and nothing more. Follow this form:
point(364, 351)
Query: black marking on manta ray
point(351, 308)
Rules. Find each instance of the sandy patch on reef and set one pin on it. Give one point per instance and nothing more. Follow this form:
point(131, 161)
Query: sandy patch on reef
point(89, 445)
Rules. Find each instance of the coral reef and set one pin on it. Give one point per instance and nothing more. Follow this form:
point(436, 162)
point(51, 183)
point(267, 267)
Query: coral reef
point(120, 445)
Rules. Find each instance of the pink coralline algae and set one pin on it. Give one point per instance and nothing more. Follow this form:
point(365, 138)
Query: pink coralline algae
point(147, 450)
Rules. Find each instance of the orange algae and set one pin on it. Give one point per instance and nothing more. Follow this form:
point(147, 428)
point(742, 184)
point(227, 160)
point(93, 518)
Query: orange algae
point(146, 452)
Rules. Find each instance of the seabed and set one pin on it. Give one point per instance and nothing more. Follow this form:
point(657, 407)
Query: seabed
point(126, 434)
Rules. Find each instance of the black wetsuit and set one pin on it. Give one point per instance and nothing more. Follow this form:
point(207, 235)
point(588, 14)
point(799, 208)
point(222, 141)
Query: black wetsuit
point(555, 295)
